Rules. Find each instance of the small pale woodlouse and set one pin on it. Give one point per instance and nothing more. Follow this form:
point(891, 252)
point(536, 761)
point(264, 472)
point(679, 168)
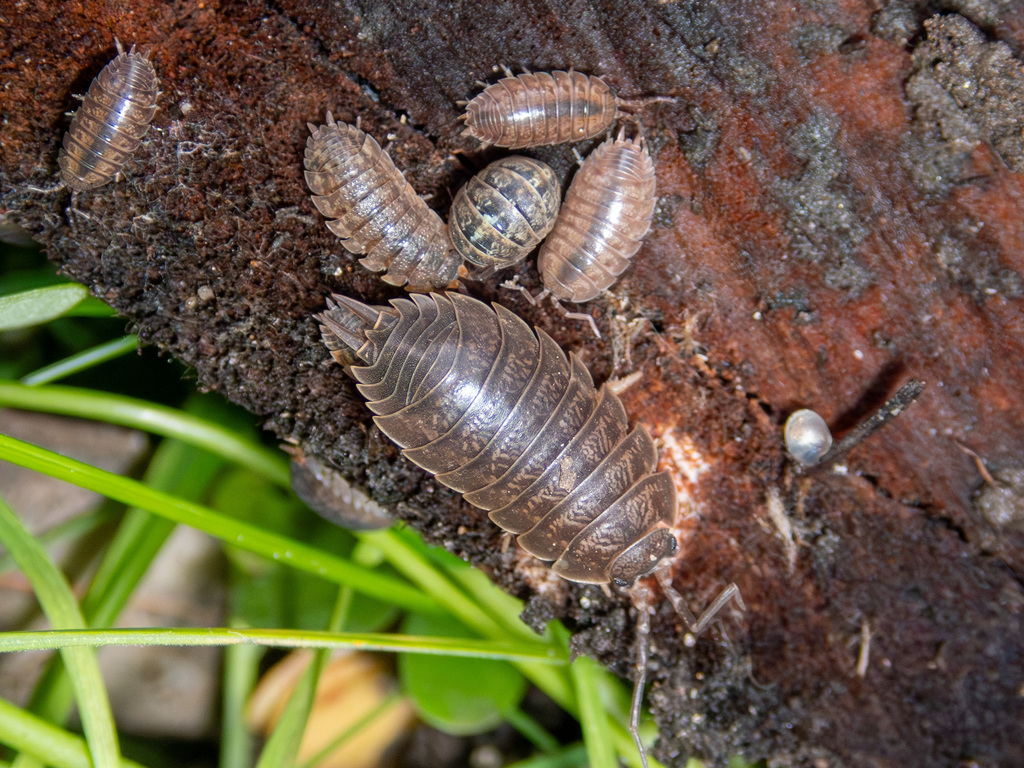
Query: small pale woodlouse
point(605, 215)
point(498, 412)
point(534, 109)
point(374, 210)
point(111, 122)
point(504, 212)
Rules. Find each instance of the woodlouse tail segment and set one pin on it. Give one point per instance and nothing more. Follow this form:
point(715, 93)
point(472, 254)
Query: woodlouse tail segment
point(353, 331)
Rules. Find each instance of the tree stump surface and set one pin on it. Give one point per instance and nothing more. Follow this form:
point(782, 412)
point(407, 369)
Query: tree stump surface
point(841, 209)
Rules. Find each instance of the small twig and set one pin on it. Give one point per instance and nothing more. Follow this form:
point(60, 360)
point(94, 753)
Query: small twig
point(893, 408)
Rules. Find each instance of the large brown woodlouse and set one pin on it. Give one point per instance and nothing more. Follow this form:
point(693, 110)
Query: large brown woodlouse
point(111, 122)
point(606, 213)
point(498, 412)
point(374, 210)
point(504, 212)
point(534, 109)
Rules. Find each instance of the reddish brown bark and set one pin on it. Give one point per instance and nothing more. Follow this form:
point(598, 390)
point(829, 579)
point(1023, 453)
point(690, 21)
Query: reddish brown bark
point(840, 210)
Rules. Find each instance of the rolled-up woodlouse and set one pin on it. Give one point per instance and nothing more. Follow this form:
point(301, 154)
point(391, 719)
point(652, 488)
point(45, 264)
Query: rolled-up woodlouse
point(606, 213)
point(374, 210)
point(534, 109)
point(503, 212)
point(498, 412)
point(109, 125)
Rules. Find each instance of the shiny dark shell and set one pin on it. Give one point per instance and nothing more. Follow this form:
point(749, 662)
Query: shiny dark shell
point(531, 110)
point(605, 215)
point(374, 210)
point(498, 412)
point(111, 122)
point(504, 212)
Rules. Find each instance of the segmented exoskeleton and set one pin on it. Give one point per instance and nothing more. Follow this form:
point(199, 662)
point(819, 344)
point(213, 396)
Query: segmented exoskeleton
point(498, 412)
point(605, 215)
point(374, 210)
point(111, 122)
point(503, 212)
point(534, 109)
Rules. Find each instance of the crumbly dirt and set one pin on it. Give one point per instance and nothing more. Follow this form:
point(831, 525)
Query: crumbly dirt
point(840, 210)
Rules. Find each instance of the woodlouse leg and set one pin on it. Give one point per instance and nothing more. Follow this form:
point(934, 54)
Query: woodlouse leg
point(513, 285)
point(581, 316)
point(60, 185)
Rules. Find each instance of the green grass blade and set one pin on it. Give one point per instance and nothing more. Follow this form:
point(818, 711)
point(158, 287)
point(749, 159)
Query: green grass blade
point(282, 748)
point(39, 305)
point(593, 719)
point(239, 534)
point(138, 540)
point(406, 560)
point(82, 361)
point(45, 742)
point(58, 603)
point(572, 756)
point(241, 671)
point(508, 650)
point(158, 419)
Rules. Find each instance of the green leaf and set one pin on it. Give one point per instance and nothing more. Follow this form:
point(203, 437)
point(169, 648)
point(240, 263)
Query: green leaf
point(39, 305)
point(229, 443)
point(593, 717)
point(458, 696)
point(58, 603)
point(241, 534)
point(82, 361)
point(50, 744)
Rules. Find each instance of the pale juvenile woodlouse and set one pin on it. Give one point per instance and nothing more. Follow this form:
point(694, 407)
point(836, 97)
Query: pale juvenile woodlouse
point(504, 212)
point(498, 412)
point(111, 122)
point(534, 109)
point(605, 215)
point(374, 210)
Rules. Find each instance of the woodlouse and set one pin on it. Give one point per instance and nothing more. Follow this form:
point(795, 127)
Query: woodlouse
point(534, 109)
point(374, 210)
point(504, 212)
point(605, 215)
point(498, 412)
point(111, 122)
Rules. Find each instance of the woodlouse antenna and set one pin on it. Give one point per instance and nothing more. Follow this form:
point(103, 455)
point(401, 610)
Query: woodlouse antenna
point(694, 625)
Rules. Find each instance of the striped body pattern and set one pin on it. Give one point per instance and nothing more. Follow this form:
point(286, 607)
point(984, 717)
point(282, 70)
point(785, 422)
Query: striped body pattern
point(534, 109)
point(605, 215)
point(374, 210)
point(111, 122)
point(498, 412)
point(503, 212)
